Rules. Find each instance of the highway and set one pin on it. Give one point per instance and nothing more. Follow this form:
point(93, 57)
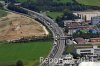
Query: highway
point(58, 48)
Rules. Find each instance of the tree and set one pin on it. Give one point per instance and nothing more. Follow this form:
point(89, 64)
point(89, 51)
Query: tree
point(67, 11)
point(66, 29)
point(19, 63)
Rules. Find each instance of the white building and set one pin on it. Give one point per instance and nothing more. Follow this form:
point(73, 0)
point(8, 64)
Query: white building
point(68, 60)
point(69, 21)
point(89, 64)
point(88, 51)
point(88, 14)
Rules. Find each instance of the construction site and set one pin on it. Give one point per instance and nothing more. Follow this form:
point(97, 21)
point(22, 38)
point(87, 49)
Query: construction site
point(16, 26)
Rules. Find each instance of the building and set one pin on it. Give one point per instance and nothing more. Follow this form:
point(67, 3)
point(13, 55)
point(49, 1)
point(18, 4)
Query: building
point(72, 26)
point(67, 60)
point(85, 27)
point(95, 20)
point(80, 40)
point(17, 4)
point(72, 21)
point(94, 39)
point(89, 64)
point(88, 51)
point(88, 15)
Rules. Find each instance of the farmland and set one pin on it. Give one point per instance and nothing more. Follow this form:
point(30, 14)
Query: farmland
point(89, 2)
point(62, 1)
point(29, 52)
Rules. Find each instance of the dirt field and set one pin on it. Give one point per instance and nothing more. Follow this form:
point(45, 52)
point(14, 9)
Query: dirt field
point(15, 26)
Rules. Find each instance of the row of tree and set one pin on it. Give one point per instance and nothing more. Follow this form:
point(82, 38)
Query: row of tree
point(86, 35)
point(50, 5)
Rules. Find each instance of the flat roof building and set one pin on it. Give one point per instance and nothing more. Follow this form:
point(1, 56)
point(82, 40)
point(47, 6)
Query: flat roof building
point(88, 51)
point(88, 14)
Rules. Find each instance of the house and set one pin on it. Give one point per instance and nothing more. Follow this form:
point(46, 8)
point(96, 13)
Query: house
point(85, 27)
point(80, 40)
point(17, 4)
point(94, 39)
point(72, 26)
point(73, 21)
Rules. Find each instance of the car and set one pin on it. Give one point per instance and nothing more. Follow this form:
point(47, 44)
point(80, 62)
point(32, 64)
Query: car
point(56, 36)
point(56, 39)
point(55, 43)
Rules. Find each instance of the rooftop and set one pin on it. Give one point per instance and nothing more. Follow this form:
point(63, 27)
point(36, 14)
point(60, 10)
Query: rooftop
point(89, 64)
point(80, 40)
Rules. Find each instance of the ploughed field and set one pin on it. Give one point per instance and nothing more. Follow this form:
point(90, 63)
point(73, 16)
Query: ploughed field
point(15, 26)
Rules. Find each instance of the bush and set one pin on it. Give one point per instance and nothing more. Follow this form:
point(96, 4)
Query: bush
point(19, 63)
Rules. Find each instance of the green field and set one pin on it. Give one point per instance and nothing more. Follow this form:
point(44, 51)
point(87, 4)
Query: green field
point(29, 52)
point(54, 15)
point(2, 13)
point(62, 1)
point(58, 1)
point(90, 2)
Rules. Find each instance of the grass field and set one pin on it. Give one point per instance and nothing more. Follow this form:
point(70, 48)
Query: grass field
point(62, 1)
point(54, 15)
point(29, 52)
point(90, 2)
point(2, 13)
point(58, 1)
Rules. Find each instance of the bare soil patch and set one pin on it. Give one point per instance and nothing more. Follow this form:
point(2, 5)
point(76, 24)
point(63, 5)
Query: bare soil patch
point(15, 26)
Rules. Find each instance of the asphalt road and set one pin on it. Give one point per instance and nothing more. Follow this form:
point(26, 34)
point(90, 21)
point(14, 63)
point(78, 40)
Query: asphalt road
point(58, 48)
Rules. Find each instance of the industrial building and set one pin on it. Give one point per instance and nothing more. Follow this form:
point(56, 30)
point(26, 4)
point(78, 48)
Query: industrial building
point(87, 15)
point(88, 51)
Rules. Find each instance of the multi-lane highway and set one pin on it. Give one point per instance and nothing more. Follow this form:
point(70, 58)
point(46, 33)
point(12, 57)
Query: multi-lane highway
point(57, 49)
point(59, 45)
